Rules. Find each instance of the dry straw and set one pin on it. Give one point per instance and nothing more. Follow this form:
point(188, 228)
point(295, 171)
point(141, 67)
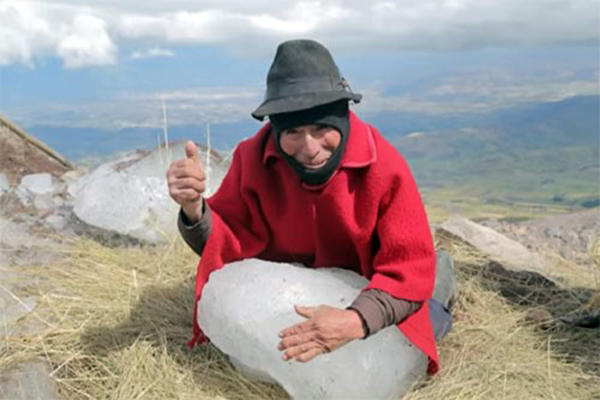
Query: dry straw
point(119, 319)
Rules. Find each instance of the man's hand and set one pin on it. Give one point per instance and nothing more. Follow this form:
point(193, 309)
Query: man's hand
point(187, 182)
point(325, 330)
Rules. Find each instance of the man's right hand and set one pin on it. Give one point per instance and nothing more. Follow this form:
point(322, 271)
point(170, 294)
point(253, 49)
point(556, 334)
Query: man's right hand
point(187, 182)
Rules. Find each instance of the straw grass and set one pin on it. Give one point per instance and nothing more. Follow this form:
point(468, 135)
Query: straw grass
point(118, 319)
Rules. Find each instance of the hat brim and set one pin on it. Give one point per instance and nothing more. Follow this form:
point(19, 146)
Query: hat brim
point(301, 102)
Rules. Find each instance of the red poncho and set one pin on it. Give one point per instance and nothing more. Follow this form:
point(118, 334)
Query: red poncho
point(368, 218)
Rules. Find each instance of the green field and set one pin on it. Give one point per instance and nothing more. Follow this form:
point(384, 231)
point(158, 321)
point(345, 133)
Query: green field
point(524, 184)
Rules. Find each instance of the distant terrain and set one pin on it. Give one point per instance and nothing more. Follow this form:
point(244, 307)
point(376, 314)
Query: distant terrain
point(517, 163)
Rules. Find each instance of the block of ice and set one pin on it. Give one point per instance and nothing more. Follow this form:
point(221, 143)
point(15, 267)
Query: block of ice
point(245, 304)
point(130, 195)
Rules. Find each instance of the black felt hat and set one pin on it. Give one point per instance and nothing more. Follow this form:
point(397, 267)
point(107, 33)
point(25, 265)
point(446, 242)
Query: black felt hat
point(303, 75)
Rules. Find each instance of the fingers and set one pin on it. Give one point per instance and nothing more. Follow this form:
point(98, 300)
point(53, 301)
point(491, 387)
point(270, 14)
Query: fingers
point(306, 312)
point(191, 151)
point(296, 329)
point(296, 340)
point(186, 196)
point(309, 355)
point(304, 352)
point(188, 183)
point(185, 168)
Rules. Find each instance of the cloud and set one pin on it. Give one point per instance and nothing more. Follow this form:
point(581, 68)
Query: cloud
point(86, 42)
point(89, 32)
point(152, 53)
point(77, 35)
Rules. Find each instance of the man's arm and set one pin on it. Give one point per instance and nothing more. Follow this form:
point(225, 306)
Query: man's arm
point(378, 310)
point(196, 234)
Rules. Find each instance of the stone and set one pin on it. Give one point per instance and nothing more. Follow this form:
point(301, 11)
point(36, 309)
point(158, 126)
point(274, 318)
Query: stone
point(28, 381)
point(35, 185)
point(130, 196)
point(540, 317)
point(586, 319)
point(4, 184)
point(511, 254)
point(12, 307)
point(245, 304)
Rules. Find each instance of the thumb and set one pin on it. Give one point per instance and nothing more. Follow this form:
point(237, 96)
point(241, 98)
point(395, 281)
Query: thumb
point(306, 312)
point(191, 151)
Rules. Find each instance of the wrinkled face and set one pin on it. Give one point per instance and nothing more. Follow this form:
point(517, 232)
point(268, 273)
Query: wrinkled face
point(311, 145)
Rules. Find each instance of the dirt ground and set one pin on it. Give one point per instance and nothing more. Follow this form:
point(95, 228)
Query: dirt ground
point(19, 157)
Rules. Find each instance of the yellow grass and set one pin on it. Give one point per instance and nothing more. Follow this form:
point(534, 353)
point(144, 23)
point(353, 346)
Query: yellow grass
point(119, 319)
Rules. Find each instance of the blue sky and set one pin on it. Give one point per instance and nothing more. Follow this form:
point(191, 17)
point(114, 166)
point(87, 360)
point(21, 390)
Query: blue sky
point(109, 63)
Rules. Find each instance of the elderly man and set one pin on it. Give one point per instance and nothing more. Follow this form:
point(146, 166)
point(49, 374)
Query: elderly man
point(319, 186)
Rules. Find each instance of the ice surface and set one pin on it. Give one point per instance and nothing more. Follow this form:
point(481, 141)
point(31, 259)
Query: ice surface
point(130, 195)
point(245, 304)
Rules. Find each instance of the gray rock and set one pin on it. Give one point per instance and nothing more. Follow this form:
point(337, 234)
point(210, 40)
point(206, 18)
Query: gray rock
point(56, 222)
point(44, 202)
point(4, 185)
point(35, 185)
point(13, 307)
point(28, 381)
point(511, 254)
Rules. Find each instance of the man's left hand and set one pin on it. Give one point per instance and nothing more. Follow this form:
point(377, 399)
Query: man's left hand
point(325, 330)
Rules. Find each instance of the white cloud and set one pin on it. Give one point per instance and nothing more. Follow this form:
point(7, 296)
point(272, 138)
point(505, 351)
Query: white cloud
point(30, 30)
point(86, 42)
point(40, 28)
point(23, 32)
point(152, 53)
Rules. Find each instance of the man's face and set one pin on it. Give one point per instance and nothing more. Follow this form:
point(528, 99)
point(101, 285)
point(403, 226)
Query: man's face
point(311, 145)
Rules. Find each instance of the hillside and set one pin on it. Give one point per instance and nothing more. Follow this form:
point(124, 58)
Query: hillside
point(519, 163)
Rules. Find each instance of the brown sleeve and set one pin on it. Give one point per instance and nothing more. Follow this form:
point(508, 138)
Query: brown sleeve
point(379, 310)
point(196, 235)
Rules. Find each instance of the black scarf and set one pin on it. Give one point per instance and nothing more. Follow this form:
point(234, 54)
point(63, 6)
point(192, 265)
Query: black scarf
point(335, 115)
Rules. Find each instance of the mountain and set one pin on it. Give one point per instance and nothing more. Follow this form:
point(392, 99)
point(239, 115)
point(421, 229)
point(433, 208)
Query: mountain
point(79, 143)
point(548, 125)
point(543, 156)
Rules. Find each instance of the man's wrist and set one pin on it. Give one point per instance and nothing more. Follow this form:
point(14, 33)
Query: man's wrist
point(194, 212)
point(358, 326)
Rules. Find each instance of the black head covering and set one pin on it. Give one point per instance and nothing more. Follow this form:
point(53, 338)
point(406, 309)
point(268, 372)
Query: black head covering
point(335, 115)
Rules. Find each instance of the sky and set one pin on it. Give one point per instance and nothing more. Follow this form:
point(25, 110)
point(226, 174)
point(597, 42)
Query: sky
point(110, 64)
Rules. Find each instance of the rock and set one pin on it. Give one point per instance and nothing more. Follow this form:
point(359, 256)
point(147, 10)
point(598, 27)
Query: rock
point(130, 196)
point(568, 235)
point(13, 234)
point(21, 246)
point(540, 317)
point(588, 319)
point(35, 185)
point(28, 381)
point(511, 254)
point(44, 202)
point(57, 222)
point(12, 307)
point(4, 185)
point(245, 304)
